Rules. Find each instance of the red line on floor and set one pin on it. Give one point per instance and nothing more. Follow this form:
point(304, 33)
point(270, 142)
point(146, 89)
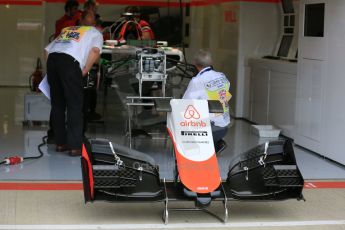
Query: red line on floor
point(324, 184)
point(77, 186)
point(30, 186)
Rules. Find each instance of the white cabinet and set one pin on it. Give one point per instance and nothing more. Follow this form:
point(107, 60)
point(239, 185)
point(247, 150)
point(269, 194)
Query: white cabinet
point(320, 110)
point(259, 95)
point(273, 93)
point(36, 107)
point(282, 101)
point(309, 119)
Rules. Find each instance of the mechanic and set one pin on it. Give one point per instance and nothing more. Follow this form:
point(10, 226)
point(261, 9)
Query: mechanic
point(139, 30)
point(70, 57)
point(91, 5)
point(144, 28)
point(211, 85)
point(91, 18)
point(90, 92)
point(70, 18)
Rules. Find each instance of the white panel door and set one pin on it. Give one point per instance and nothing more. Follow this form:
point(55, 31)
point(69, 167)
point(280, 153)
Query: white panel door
point(309, 103)
point(334, 106)
point(312, 47)
point(259, 95)
point(282, 101)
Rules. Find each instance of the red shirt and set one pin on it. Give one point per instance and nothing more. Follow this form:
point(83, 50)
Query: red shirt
point(145, 27)
point(139, 28)
point(66, 21)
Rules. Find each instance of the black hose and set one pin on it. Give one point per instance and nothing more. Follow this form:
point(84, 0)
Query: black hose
point(188, 67)
point(44, 142)
point(122, 62)
point(186, 75)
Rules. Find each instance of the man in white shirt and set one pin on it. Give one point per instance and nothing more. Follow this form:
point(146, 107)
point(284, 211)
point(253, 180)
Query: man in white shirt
point(211, 85)
point(70, 57)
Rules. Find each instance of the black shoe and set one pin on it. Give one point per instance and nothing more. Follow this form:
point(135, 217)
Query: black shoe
point(75, 152)
point(61, 148)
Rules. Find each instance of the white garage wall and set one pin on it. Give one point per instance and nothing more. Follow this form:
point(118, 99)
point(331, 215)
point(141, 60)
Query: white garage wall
point(258, 36)
point(233, 32)
point(210, 30)
point(320, 114)
point(21, 42)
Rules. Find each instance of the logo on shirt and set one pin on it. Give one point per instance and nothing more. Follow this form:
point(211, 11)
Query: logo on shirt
point(74, 33)
point(216, 84)
point(222, 95)
point(191, 112)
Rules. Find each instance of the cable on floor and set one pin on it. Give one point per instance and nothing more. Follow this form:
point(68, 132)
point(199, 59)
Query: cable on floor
point(14, 160)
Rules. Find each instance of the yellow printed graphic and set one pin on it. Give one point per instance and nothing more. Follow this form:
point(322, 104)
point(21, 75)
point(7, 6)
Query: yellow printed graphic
point(74, 33)
point(221, 94)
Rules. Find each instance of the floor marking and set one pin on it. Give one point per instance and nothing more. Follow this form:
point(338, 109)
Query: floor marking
point(310, 185)
point(324, 184)
point(78, 186)
point(177, 226)
point(42, 186)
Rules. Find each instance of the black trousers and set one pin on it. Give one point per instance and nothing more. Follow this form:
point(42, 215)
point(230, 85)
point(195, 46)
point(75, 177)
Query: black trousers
point(66, 92)
point(88, 103)
point(91, 96)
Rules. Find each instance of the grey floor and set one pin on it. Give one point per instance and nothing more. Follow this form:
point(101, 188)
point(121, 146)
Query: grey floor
point(15, 139)
point(324, 208)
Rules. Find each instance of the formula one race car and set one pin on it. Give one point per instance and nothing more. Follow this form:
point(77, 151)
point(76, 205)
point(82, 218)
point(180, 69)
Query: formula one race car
point(115, 173)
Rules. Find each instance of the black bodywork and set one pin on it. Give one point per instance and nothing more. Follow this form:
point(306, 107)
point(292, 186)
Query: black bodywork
point(136, 179)
point(270, 176)
point(255, 175)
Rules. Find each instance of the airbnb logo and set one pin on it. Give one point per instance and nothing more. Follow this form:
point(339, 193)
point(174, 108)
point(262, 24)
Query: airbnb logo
point(191, 112)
